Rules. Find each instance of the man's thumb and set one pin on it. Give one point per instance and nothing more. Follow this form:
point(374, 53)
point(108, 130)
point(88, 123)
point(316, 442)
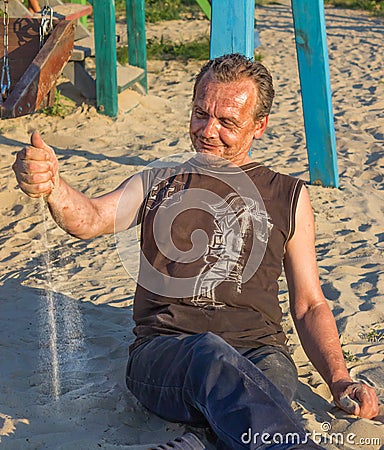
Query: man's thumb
point(37, 141)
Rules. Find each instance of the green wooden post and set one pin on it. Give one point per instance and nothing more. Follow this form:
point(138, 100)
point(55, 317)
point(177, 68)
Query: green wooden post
point(105, 55)
point(205, 5)
point(312, 55)
point(232, 27)
point(137, 44)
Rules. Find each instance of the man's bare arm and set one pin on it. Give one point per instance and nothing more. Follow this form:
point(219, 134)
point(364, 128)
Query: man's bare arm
point(37, 173)
point(314, 320)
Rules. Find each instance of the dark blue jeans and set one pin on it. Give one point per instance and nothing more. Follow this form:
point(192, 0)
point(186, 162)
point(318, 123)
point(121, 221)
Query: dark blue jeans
point(277, 365)
point(201, 380)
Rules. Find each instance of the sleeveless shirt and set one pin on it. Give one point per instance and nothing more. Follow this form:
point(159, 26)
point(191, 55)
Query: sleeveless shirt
point(212, 247)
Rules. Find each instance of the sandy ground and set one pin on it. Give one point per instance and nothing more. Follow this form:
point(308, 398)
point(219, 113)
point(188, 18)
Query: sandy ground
point(66, 305)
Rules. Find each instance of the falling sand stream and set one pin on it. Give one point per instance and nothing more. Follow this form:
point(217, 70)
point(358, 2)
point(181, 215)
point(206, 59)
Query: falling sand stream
point(61, 327)
point(49, 308)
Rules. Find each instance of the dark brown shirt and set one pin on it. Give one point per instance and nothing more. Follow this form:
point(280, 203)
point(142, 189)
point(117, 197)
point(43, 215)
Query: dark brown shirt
point(213, 242)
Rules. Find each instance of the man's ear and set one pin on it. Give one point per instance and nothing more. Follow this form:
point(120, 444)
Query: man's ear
point(261, 127)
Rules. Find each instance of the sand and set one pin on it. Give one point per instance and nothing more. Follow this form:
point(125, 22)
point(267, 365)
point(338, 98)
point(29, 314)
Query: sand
point(62, 380)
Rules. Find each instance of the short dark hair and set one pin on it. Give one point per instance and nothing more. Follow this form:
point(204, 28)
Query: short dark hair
point(235, 67)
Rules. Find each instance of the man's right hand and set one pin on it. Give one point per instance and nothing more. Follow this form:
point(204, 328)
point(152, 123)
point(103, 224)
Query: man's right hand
point(37, 173)
point(36, 168)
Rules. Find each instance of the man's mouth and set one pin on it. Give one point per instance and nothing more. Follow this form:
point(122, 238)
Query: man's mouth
point(204, 145)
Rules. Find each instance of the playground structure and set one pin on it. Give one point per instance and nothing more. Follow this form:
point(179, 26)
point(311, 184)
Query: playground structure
point(111, 78)
point(33, 56)
point(232, 30)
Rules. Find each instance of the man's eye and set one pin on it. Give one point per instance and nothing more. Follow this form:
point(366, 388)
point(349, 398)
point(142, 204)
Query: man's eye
point(200, 114)
point(227, 124)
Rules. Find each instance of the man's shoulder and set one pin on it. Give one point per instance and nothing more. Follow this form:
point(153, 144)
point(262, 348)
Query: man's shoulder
point(271, 176)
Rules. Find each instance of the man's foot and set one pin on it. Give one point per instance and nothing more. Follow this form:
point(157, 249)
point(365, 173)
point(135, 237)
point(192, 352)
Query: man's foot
point(186, 442)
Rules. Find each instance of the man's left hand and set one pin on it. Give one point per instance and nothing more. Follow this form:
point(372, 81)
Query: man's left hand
point(358, 399)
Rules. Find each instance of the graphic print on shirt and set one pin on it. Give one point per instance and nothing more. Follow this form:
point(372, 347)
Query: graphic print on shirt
point(163, 189)
point(239, 233)
point(235, 219)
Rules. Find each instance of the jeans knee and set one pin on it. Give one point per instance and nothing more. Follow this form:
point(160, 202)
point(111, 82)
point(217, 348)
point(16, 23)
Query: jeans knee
point(212, 349)
point(210, 340)
point(211, 359)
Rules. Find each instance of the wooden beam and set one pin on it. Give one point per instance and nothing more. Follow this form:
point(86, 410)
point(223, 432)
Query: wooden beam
point(105, 55)
point(312, 55)
point(83, 20)
point(41, 75)
point(77, 74)
point(127, 76)
point(69, 11)
point(232, 27)
point(16, 9)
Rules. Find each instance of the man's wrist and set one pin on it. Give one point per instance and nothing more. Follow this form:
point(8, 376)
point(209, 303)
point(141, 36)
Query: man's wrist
point(340, 378)
point(56, 190)
point(339, 383)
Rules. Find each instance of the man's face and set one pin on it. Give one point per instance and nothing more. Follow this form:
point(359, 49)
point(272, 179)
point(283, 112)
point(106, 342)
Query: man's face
point(222, 120)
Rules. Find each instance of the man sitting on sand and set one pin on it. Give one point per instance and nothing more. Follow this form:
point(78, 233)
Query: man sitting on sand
point(209, 348)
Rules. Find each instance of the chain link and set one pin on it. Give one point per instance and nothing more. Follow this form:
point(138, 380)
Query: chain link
point(46, 25)
point(5, 84)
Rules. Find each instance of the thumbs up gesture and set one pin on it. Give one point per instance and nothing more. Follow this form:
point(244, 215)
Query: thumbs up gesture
point(36, 168)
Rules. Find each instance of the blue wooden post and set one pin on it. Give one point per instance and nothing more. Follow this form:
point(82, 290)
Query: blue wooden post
point(312, 55)
point(105, 55)
point(232, 27)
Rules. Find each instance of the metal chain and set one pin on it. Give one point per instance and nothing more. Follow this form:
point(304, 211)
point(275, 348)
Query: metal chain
point(46, 25)
point(5, 74)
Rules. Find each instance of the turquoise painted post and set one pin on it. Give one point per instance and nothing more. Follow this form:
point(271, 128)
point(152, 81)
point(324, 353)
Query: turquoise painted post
point(232, 27)
point(312, 55)
point(137, 43)
point(105, 55)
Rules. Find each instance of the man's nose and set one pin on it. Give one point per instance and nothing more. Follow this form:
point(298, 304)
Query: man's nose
point(210, 128)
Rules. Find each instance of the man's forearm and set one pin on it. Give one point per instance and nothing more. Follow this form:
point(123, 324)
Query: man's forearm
point(73, 211)
point(319, 337)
